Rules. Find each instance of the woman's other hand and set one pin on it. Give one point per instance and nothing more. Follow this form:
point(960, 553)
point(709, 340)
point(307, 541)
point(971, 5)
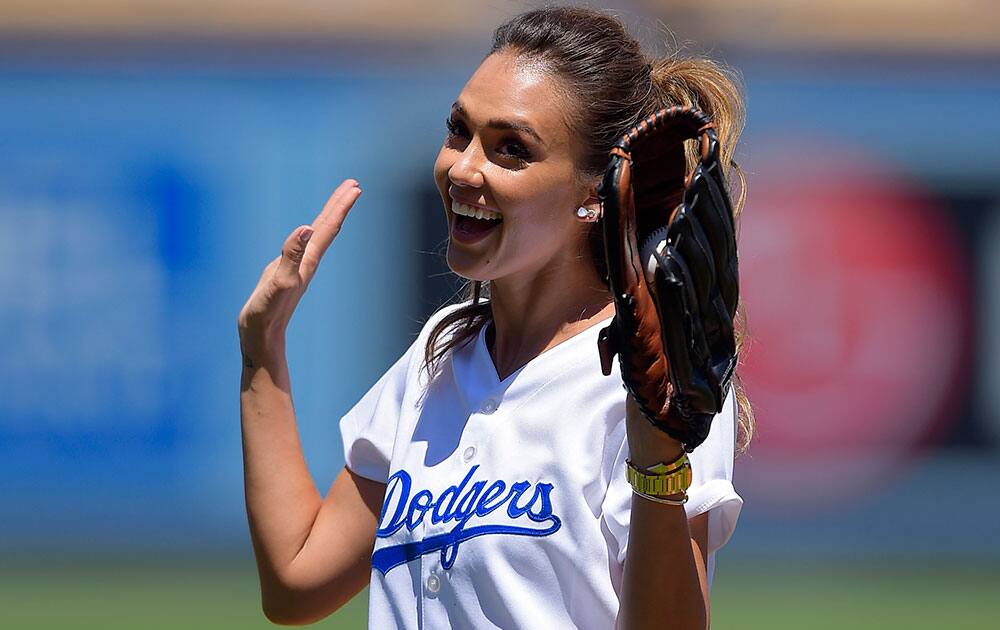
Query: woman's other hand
point(263, 319)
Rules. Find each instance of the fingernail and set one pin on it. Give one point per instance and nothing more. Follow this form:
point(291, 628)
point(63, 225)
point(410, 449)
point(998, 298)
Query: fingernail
point(305, 234)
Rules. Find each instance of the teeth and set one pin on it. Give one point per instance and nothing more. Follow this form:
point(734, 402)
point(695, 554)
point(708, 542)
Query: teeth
point(472, 211)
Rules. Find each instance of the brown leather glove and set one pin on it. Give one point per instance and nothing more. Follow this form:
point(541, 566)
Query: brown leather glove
point(670, 244)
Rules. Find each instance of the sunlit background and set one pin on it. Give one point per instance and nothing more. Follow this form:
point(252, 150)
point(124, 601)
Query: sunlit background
point(154, 155)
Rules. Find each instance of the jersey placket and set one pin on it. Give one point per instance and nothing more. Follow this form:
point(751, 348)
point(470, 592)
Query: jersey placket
point(437, 581)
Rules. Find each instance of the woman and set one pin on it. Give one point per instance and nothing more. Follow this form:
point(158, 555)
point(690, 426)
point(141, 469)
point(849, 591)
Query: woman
point(485, 477)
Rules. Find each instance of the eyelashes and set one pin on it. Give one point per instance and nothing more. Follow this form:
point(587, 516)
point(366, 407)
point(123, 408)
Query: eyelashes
point(511, 148)
point(452, 126)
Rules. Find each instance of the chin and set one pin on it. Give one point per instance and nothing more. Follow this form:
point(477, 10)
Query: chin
point(465, 266)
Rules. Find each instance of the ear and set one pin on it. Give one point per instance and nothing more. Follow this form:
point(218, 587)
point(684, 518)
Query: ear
point(587, 189)
point(592, 202)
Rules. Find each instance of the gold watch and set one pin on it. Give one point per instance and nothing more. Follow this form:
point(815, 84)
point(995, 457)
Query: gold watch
point(662, 479)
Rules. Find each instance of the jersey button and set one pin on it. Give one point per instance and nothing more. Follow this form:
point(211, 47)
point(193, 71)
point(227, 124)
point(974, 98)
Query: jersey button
point(469, 453)
point(489, 405)
point(433, 583)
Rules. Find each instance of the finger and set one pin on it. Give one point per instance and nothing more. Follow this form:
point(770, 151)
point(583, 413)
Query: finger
point(254, 299)
point(714, 334)
point(683, 338)
point(327, 224)
point(268, 271)
point(265, 276)
point(287, 273)
point(685, 234)
point(711, 205)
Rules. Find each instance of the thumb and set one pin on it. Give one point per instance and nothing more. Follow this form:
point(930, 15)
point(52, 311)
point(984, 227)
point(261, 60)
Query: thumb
point(287, 273)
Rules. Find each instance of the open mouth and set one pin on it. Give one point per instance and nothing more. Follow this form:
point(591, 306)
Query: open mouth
point(471, 223)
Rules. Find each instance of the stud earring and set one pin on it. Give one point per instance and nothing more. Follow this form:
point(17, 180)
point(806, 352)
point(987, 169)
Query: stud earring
point(586, 214)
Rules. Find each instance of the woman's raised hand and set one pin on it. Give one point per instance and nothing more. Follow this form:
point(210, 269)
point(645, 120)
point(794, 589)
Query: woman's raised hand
point(263, 319)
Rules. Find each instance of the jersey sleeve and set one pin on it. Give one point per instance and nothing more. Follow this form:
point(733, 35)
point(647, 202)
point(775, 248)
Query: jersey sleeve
point(368, 429)
point(711, 489)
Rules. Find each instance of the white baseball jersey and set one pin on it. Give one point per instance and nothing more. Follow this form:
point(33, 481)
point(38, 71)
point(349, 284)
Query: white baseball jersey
point(506, 501)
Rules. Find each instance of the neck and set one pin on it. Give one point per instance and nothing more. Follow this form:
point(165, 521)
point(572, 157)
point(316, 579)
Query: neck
point(531, 316)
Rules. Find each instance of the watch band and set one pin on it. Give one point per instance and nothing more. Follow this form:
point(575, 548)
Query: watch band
point(662, 479)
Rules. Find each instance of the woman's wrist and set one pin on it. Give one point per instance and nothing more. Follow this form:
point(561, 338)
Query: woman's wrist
point(261, 351)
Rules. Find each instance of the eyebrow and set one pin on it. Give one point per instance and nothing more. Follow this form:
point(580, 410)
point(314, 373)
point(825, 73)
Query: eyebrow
point(499, 123)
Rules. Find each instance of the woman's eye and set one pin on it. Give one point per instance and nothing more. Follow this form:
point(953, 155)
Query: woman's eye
point(515, 150)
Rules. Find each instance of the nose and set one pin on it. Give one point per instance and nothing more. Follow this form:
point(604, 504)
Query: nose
point(466, 171)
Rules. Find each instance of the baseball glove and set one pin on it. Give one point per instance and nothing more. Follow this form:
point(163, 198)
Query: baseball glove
point(670, 244)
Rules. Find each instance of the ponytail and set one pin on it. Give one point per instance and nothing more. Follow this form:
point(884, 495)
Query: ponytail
point(715, 90)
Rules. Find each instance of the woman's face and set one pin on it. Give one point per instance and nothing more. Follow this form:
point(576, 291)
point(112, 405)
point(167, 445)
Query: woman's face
point(509, 151)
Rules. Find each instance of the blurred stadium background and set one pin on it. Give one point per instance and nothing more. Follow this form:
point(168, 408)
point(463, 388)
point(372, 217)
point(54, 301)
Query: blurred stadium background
point(155, 154)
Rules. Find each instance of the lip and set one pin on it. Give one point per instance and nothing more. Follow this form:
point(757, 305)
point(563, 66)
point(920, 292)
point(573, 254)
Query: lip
point(468, 202)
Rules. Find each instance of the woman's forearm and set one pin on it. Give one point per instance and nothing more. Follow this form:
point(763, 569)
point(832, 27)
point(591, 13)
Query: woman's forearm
point(662, 586)
point(281, 496)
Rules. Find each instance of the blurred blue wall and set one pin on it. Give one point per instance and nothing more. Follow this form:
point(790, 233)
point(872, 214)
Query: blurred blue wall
point(137, 210)
point(138, 205)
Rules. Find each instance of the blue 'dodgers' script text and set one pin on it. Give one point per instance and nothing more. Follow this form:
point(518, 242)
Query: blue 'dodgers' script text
point(460, 504)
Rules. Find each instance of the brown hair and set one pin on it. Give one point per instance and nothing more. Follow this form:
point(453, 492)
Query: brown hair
point(616, 85)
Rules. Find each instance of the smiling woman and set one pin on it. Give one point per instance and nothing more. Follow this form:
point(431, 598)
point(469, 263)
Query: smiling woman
point(510, 151)
point(485, 481)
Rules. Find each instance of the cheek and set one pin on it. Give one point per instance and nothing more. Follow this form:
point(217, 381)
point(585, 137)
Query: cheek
point(441, 166)
point(545, 213)
point(542, 229)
